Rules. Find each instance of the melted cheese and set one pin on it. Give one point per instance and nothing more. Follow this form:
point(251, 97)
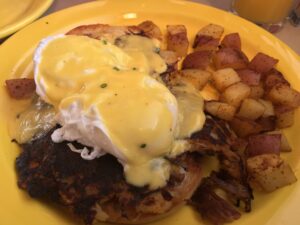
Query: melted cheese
point(191, 116)
point(32, 122)
point(107, 98)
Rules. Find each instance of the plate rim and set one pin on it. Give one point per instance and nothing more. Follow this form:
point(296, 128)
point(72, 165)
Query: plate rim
point(22, 22)
point(99, 2)
point(11, 39)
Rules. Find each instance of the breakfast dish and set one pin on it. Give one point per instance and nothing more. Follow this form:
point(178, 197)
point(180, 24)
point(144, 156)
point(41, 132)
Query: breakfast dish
point(142, 193)
point(75, 174)
point(115, 104)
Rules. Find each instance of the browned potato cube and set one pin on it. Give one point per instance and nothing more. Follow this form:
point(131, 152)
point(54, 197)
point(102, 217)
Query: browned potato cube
point(232, 40)
point(196, 78)
point(267, 123)
point(20, 88)
point(282, 94)
point(177, 40)
point(273, 78)
point(206, 43)
point(249, 77)
point(201, 40)
point(244, 127)
point(279, 109)
point(269, 172)
point(150, 29)
point(224, 78)
point(251, 109)
point(197, 60)
point(235, 93)
point(210, 93)
point(230, 58)
point(221, 110)
point(212, 30)
point(257, 91)
point(285, 119)
point(263, 144)
point(269, 108)
point(284, 145)
point(262, 63)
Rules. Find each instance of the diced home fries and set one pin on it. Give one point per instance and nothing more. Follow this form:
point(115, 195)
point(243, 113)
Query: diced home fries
point(224, 78)
point(249, 77)
point(269, 108)
point(254, 97)
point(195, 77)
point(285, 119)
point(262, 63)
point(235, 93)
point(220, 109)
point(197, 60)
point(245, 127)
point(251, 109)
point(230, 58)
point(20, 88)
point(211, 30)
point(257, 91)
point(177, 40)
point(269, 172)
point(232, 40)
point(282, 94)
point(263, 144)
point(261, 99)
point(284, 144)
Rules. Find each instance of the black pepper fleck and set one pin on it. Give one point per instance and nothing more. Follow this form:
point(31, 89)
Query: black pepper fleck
point(104, 85)
point(143, 145)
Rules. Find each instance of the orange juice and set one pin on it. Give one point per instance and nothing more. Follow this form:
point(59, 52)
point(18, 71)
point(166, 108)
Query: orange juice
point(263, 11)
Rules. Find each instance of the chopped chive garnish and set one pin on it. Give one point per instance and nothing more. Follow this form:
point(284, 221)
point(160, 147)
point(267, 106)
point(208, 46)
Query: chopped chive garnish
point(104, 42)
point(104, 85)
point(143, 145)
point(116, 68)
point(156, 50)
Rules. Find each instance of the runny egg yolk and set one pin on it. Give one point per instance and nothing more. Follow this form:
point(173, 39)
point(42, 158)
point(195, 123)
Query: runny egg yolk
point(107, 100)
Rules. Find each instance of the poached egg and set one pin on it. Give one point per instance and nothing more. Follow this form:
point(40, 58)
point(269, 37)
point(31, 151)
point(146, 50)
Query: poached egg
point(109, 99)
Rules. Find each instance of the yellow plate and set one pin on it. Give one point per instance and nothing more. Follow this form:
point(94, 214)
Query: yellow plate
point(278, 208)
point(16, 14)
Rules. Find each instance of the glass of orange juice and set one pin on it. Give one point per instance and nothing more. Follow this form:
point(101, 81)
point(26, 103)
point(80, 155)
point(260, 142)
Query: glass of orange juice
point(268, 13)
